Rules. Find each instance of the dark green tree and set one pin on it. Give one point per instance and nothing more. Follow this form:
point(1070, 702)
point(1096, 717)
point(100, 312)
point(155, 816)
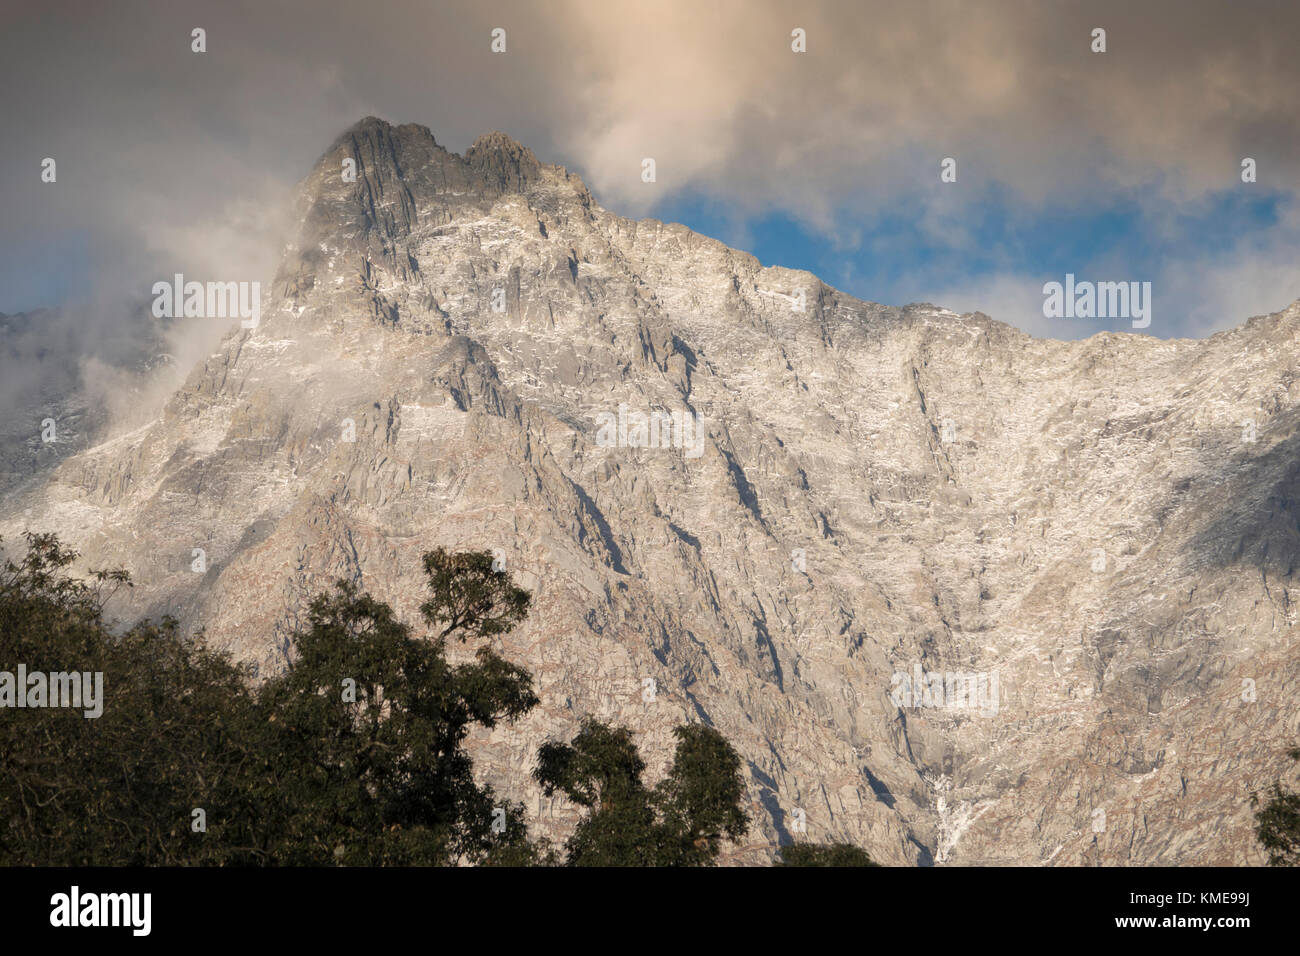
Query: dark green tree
point(701, 799)
point(830, 854)
point(374, 721)
point(1277, 822)
point(681, 822)
point(469, 598)
point(179, 731)
point(601, 771)
point(354, 755)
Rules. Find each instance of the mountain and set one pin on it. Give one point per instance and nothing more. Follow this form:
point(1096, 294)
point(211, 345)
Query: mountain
point(55, 369)
point(448, 356)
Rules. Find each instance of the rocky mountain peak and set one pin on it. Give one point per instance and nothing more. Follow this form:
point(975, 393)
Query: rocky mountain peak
point(379, 185)
point(508, 164)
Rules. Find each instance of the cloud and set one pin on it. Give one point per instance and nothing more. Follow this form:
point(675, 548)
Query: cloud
point(171, 160)
point(1195, 293)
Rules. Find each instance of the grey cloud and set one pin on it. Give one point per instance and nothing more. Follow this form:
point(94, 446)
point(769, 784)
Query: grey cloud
point(161, 150)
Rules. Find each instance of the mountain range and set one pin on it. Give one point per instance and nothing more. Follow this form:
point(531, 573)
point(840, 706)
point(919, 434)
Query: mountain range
point(1100, 535)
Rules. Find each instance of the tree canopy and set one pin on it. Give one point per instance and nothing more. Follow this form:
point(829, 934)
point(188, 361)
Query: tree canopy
point(1277, 822)
point(830, 854)
point(353, 755)
point(680, 822)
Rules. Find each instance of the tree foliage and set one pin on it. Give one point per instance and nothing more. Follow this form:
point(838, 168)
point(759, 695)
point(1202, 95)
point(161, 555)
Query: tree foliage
point(1277, 822)
point(680, 822)
point(354, 755)
point(375, 722)
point(830, 854)
point(469, 598)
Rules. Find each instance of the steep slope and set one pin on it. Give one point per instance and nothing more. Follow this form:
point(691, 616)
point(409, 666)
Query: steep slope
point(876, 490)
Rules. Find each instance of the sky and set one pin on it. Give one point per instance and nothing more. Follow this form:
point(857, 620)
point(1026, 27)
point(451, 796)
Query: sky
point(1122, 165)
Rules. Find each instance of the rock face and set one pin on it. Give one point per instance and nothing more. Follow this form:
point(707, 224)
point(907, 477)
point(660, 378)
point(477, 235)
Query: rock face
point(1102, 534)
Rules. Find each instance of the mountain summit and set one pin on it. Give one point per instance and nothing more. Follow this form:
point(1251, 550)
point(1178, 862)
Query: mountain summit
point(956, 594)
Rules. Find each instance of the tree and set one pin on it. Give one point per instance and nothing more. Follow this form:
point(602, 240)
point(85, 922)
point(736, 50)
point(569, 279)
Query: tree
point(1277, 825)
point(373, 722)
point(354, 755)
point(701, 798)
point(831, 854)
point(178, 732)
point(680, 823)
point(601, 770)
point(470, 598)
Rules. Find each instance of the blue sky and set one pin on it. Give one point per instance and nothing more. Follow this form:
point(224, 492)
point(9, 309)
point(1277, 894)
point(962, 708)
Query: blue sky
point(893, 258)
